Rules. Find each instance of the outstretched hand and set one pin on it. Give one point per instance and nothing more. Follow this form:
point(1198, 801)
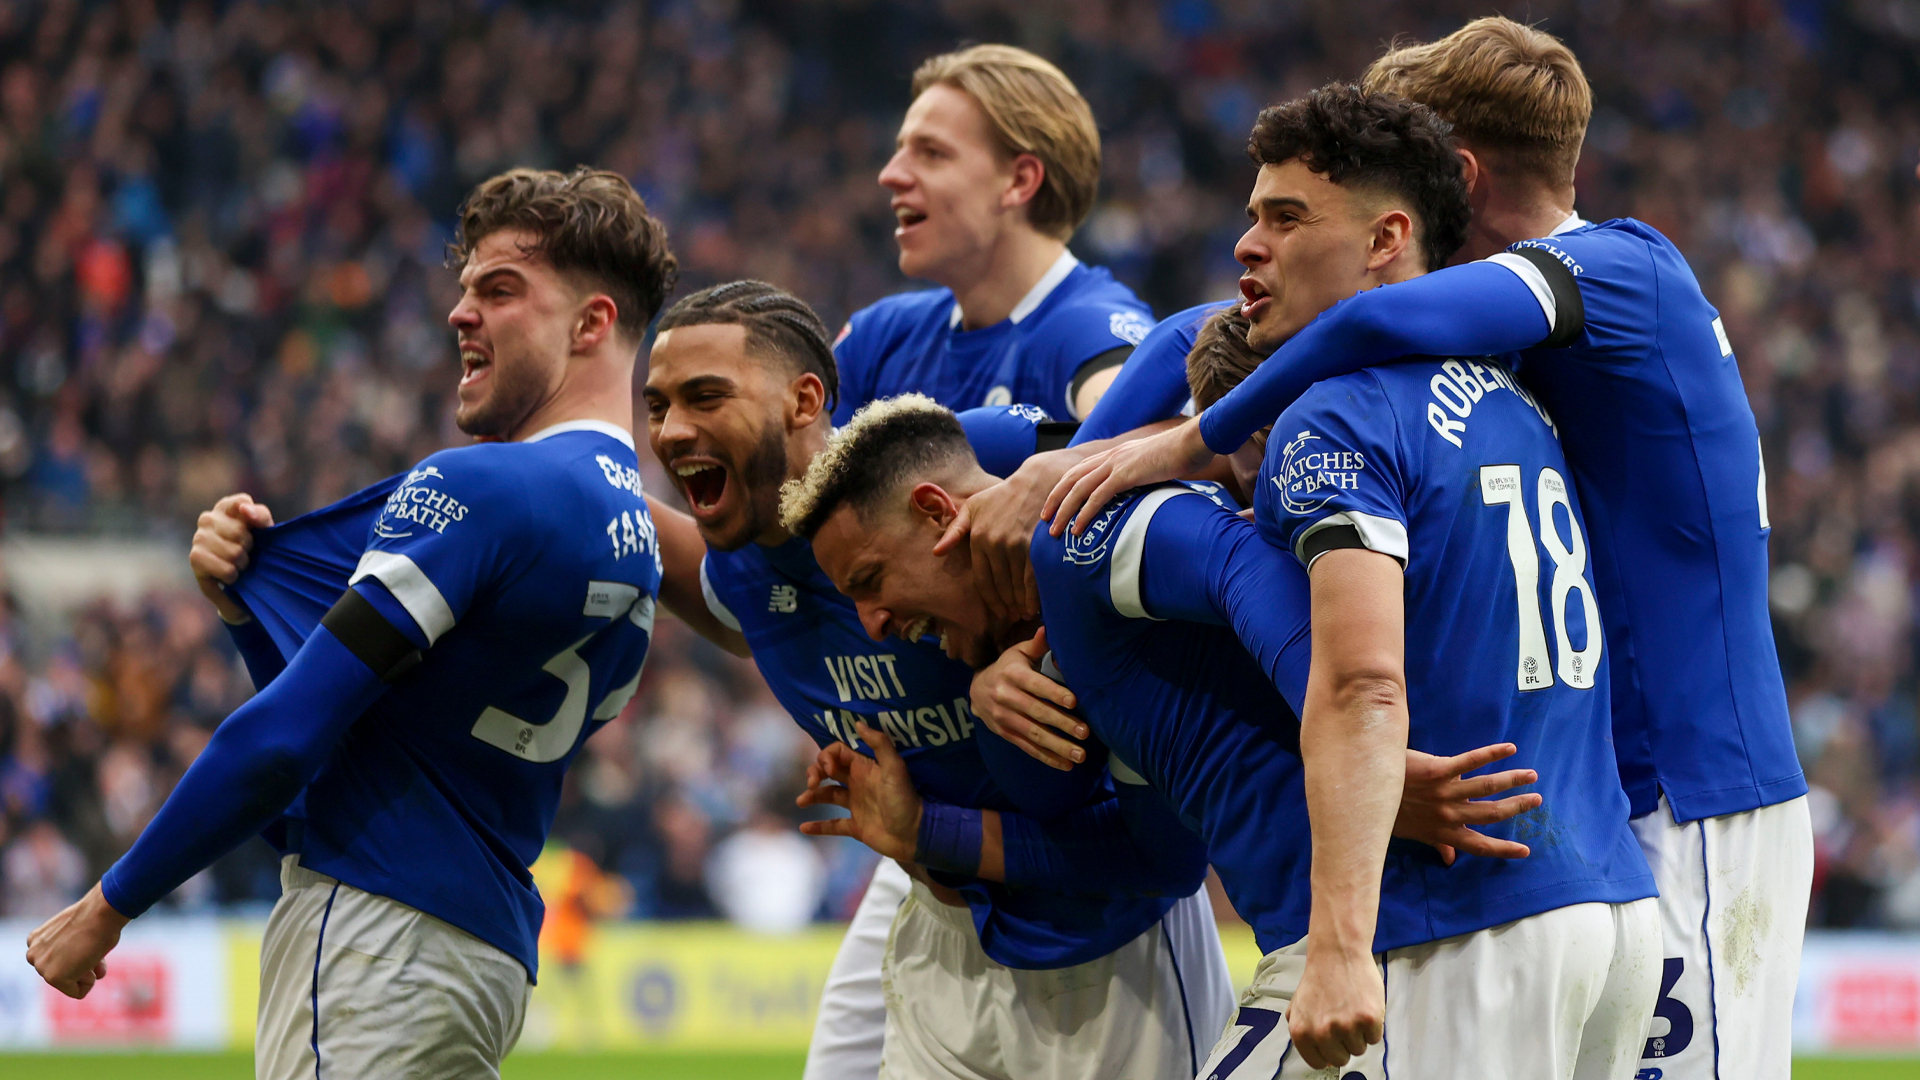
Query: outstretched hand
point(1440, 802)
point(876, 791)
point(1089, 486)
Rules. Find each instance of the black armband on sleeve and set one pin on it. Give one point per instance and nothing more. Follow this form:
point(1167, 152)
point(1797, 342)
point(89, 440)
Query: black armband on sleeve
point(1053, 435)
point(369, 636)
point(1112, 358)
point(1570, 312)
point(1321, 541)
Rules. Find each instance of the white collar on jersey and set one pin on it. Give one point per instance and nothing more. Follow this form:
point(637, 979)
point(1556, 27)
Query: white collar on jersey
point(1043, 288)
point(1574, 221)
point(612, 431)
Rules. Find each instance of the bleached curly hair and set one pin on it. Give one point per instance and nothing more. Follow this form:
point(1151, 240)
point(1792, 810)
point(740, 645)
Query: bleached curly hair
point(888, 442)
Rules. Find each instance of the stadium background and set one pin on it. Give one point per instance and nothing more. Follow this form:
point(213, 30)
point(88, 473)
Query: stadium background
point(221, 236)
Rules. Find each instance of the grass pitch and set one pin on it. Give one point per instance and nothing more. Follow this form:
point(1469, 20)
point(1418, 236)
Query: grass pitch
point(661, 1066)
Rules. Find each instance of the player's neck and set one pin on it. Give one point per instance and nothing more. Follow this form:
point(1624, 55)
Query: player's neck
point(595, 387)
point(996, 283)
point(802, 446)
point(1507, 212)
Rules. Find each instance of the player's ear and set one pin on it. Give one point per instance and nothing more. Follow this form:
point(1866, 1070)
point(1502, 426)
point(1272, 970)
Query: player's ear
point(1469, 166)
point(931, 502)
point(807, 399)
point(597, 319)
point(1392, 236)
point(1028, 174)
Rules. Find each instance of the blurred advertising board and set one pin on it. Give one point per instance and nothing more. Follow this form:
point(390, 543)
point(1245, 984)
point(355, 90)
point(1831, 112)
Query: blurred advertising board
point(1859, 994)
point(167, 985)
point(193, 984)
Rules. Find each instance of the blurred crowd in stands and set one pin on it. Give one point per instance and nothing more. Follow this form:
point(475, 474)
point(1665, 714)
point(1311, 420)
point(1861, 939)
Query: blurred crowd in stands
point(222, 229)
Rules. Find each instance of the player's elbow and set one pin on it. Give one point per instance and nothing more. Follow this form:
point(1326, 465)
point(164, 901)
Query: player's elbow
point(1366, 691)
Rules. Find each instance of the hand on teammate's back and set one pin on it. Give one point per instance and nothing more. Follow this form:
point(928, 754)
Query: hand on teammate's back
point(222, 547)
point(998, 525)
point(1088, 487)
point(1020, 705)
point(876, 791)
point(1438, 804)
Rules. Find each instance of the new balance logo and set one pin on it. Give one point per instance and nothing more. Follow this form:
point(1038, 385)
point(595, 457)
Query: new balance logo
point(784, 599)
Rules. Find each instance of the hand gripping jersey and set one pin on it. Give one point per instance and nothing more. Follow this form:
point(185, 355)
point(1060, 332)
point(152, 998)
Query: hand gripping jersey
point(1174, 622)
point(1633, 363)
point(1153, 384)
point(913, 342)
point(808, 642)
point(526, 574)
point(1503, 626)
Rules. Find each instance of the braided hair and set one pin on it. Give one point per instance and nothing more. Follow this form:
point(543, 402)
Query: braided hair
point(776, 322)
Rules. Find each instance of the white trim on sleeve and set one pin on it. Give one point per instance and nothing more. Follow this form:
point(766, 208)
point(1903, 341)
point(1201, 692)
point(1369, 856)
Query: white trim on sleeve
point(1130, 547)
point(1381, 534)
point(714, 604)
point(1536, 283)
point(410, 585)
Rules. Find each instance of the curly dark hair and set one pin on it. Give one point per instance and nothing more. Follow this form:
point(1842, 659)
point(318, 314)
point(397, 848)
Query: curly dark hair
point(589, 222)
point(1374, 141)
point(777, 323)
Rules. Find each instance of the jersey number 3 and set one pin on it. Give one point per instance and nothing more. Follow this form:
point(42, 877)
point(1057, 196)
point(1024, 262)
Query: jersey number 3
point(1503, 484)
point(551, 739)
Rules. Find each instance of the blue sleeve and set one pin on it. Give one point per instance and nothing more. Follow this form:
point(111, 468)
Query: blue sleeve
point(1003, 436)
point(251, 770)
point(257, 650)
point(1131, 844)
point(460, 521)
point(1479, 309)
point(1152, 386)
point(1336, 470)
point(1202, 564)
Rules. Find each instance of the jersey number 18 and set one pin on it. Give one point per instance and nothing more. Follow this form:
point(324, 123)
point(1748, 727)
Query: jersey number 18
point(1502, 484)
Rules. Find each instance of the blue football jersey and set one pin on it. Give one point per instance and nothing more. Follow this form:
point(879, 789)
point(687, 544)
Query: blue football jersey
point(1616, 337)
point(1666, 456)
point(531, 570)
point(913, 343)
point(809, 644)
point(1152, 386)
point(1173, 623)
point(1455, 470)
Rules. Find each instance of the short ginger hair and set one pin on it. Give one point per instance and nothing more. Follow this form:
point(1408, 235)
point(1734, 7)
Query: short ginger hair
point(588, 222)
point(1033, 108)
point(1515, 93)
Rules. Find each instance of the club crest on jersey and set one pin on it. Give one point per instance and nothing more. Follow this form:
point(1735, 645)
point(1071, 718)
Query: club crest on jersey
point(784, 599)
point(999, 395)
point(1091, 546)
point(1128, 326)
point(1311, 475)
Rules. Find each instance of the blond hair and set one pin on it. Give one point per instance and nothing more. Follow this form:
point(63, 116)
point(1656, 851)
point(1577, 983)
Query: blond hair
point(1033, 108)
point(1513, 92)
point(1220, 358)
point(889, 441)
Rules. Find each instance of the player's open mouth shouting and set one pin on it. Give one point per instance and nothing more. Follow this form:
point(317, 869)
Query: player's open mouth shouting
point(476, 363)
point(1254, 297)
point(921, 627)
point(703, 481)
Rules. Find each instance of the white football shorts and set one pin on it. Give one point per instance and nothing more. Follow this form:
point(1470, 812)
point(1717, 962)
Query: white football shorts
point(851, 1026)
point(1563, 995)
point(357, 985)
point(1733, 912)
point(1142, 1012)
